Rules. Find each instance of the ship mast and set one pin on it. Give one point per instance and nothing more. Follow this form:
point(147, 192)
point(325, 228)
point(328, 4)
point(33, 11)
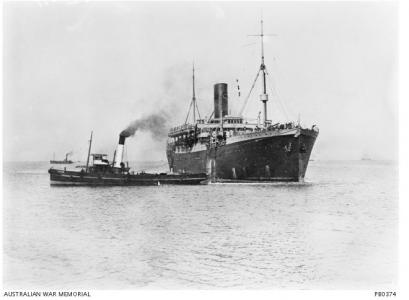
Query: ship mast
point(194, 96)
point(262, 69)
point(264, 96)
point(89, 152)
point(193, 104)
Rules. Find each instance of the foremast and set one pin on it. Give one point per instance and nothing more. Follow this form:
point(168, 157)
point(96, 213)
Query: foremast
point(193, 94)
point(193, 104)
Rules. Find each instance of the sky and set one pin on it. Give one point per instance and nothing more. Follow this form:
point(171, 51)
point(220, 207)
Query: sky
point(73, 67)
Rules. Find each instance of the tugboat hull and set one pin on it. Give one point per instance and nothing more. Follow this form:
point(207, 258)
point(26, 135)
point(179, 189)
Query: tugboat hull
point(62, 177)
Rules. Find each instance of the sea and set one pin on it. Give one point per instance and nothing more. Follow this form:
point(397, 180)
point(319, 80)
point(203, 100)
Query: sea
point(337, 230)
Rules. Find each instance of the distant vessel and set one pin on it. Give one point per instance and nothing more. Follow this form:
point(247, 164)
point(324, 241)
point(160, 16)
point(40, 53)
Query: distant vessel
point(230, 148)
point(104, 173)
point(65, 161)
point(366, 156)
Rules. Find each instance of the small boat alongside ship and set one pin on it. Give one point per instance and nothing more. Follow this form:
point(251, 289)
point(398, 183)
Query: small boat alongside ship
point(103, 173)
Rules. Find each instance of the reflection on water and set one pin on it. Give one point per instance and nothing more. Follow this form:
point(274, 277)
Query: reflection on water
point(338, 230)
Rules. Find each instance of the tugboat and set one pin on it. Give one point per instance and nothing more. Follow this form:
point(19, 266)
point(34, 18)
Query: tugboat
point(65, 161)
point(231, 148)
point(103, 173)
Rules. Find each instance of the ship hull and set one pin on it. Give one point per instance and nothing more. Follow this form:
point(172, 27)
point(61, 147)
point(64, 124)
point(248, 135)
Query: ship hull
point(260, 158)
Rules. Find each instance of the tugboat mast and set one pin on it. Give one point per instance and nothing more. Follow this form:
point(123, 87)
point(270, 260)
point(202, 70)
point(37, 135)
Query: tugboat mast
point(89, 153)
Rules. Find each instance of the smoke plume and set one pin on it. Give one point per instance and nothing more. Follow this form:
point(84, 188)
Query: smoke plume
point(156, 124)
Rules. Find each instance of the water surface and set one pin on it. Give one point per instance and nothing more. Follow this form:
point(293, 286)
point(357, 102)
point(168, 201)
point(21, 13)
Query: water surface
point(339, 230)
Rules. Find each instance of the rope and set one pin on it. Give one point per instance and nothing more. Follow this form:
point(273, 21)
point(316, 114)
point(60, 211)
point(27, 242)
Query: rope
point(210, 116)
point(248, 96)
point(196, 107)
point(188, 112)
point(275, 92)
point(198, 112)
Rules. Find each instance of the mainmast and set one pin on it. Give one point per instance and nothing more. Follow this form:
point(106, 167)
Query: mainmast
point(262, 69)
point(264, 96)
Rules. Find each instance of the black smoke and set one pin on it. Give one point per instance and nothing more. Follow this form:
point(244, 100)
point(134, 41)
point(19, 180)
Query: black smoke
point(156, 124)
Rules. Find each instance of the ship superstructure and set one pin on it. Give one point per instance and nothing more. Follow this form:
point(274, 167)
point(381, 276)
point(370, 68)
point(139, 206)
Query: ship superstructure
point(232, 148)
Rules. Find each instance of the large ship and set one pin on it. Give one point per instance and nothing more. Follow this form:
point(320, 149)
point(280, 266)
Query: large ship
point(231, 148)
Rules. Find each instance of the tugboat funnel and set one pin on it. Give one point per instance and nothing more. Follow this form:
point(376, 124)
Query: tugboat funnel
point(119, 152)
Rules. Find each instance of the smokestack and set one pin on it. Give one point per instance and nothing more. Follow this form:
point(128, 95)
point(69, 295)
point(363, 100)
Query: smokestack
point(119, 151)
point(220, 100)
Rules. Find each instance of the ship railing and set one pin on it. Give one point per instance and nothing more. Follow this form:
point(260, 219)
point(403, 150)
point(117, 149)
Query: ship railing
point(281, 126)
point(185, 127)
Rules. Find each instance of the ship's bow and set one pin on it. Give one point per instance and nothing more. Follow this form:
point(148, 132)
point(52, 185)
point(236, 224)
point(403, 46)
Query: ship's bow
point(277, 155)
point(306, 142)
